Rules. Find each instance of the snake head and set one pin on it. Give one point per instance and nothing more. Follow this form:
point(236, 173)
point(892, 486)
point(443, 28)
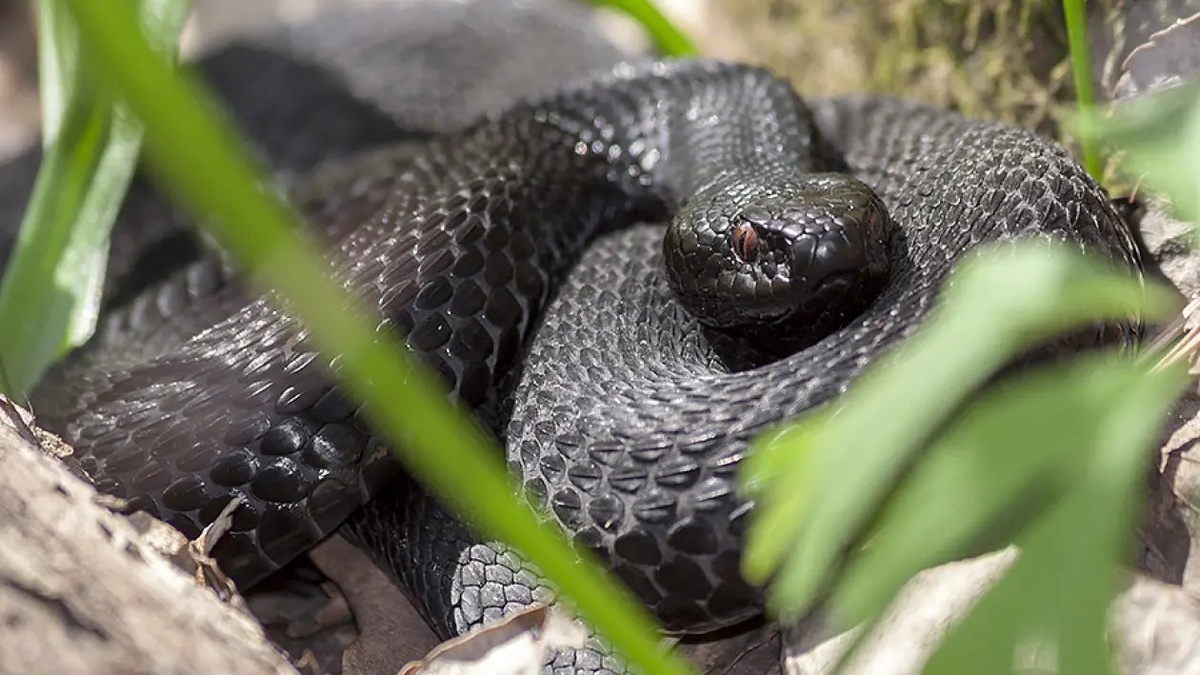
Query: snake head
point(801, 255)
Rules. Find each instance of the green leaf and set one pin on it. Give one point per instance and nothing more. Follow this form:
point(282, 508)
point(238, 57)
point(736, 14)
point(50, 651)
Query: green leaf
point(197, 156)
point(778, 474)
point(1160, 137)
point(49, 297)
point(994, 307)
point(1058, 593)
point(1010, 457)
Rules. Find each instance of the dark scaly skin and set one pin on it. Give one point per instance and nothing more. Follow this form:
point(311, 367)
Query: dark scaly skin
point(467, 249)
point(661, 427)
point(628, 423)
point(637, 455)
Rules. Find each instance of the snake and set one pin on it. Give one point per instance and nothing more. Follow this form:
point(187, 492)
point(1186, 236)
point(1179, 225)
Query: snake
point(625, 279)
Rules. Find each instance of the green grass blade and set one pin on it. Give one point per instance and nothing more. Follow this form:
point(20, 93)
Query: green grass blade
point(1081, 69)
point(197, 157)
point(58, 66)
point(50, 293)
point(667, 39)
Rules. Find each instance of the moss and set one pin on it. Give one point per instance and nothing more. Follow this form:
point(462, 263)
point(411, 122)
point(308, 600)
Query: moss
point(996, 59)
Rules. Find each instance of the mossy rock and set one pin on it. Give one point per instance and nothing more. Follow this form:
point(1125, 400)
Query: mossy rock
point(997, 59)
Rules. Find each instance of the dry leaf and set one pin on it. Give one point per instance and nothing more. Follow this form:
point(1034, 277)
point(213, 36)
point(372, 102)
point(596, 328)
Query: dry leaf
point(519, 644)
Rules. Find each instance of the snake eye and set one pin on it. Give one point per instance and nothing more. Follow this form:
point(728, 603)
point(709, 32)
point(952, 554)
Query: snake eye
point(745, 242)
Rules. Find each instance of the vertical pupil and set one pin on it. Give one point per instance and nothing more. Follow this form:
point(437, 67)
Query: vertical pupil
point(745, 242)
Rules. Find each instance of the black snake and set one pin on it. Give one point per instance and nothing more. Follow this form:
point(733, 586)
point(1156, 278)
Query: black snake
point(626, 418)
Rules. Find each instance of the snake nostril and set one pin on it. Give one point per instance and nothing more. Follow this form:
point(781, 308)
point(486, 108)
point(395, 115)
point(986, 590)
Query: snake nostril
point(745, 242)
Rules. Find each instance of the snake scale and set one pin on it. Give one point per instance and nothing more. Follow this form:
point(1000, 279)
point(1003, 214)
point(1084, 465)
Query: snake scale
point(514, 256)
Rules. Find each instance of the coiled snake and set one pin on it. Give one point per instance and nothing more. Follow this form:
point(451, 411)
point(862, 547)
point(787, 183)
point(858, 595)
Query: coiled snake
point(628, 415)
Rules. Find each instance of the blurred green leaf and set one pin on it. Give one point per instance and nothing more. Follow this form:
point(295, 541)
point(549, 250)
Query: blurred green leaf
point(1008, 459)
point(1159, 135)
point(1057, 595)
point(778, 474)
point(994, 307)
point(50, 294)
point(196, 154)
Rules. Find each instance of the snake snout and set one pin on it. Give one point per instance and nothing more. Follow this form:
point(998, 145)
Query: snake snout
point(810, 255)
point(838, 252)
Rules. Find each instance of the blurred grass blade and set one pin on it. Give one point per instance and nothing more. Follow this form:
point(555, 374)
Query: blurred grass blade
point(50, 294)
point(1081, 70)
point(667, 39)
point(197, 157)
point(58, 67)
point(1156, 132)
point(994, 306)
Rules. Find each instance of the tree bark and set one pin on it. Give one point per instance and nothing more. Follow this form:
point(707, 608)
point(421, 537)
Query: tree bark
point(81, 591)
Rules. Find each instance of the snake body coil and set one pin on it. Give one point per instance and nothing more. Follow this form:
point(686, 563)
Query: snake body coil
point(628, 417)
